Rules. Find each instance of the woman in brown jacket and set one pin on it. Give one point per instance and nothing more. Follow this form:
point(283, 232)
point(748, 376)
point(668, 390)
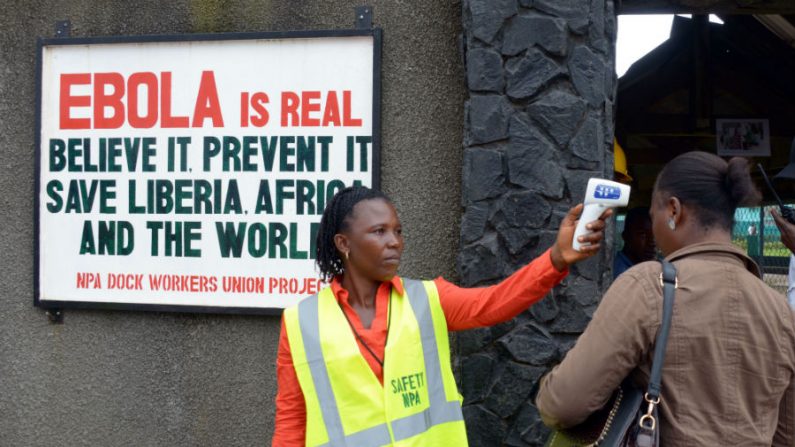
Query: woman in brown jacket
point(730, 359)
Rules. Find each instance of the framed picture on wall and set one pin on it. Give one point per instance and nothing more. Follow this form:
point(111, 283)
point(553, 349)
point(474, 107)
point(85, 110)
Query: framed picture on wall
point(743, 137)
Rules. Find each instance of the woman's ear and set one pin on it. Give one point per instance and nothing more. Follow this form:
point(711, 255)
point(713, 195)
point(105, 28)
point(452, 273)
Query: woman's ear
point(342, 243)
point(675, 210)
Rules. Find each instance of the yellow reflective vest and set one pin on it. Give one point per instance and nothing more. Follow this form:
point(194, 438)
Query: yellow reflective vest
point(346, 405)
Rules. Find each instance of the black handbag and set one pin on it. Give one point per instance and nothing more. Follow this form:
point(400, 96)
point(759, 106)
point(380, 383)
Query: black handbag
point(630, 416)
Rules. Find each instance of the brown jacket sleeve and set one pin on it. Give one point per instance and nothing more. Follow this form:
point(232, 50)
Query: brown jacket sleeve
point(785, 428)
point(621, 332)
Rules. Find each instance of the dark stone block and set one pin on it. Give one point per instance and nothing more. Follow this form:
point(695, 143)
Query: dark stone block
point(596, 32)
point(475, 373)
point(589, 268)
point(489, 116)
point(526, 147)
point(488, 17)
point(545, 310)
point(546, 239)
point(522, 209)
point(484, 428)
point(473, 223)
point(482, 177)
point(473, 340)
point(571, 319)
point(588, 143)
point(583, 290)
point(600, 44)
point(498, 330)
point(610, 22)
point(579, 25)
point(528, 74)
point(516, 239)
point(537, 433)
point(480, 262)
point(484, 70)
point(567, 341)
point(527, 429)
point(572, 162)
point(532, 250)
point(518, 36)
point(587, 71)
point(512, 388)
point(577, 181)
point(609, 111)
point(527, 169)
point(550, 237)
point(524, 31)
point(559, 113)
point(611, 81)
point(530, 344)
point(559, 212)
point(524, 136)
point(567, 9)
point(526, 3)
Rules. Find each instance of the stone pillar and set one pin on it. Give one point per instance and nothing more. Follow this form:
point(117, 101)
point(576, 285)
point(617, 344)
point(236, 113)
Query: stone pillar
point(538, 125)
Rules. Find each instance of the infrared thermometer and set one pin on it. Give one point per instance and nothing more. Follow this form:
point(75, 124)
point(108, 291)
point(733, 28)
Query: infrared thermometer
point(600, 195)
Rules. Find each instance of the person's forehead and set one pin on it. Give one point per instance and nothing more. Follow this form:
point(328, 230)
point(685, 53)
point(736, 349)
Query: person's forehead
point(372, 208)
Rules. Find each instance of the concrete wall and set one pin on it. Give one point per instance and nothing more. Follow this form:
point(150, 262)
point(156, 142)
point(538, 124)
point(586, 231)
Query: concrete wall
point(152, 379)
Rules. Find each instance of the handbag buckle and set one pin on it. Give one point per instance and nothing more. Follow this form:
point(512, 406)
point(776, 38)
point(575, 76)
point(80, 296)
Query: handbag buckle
point(648, 421)
point(662, 282)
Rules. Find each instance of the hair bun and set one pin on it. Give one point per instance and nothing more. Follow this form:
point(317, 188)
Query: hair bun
point(742, 189)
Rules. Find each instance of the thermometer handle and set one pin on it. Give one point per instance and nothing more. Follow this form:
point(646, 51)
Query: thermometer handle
point(590, 213)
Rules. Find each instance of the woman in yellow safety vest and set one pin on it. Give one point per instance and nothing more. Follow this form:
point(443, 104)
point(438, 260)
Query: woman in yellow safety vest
point(366, 361)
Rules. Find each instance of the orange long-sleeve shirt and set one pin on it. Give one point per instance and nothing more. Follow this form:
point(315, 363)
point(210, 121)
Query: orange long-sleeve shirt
point(463, 309)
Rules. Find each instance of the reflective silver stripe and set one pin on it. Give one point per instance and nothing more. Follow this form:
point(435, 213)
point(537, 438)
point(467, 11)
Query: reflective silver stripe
point(309, 322)
point(439, 410)
point(434, 415)
point(371, 437)
point(310, 331)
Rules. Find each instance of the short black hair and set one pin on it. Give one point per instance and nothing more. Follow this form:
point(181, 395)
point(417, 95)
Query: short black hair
point(713, 187)
point(334, 220)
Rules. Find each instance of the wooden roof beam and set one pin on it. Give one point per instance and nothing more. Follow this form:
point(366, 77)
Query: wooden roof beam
point(706, 7)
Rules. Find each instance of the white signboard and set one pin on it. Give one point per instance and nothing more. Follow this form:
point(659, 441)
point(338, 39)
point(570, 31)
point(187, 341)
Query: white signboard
point(190, 173)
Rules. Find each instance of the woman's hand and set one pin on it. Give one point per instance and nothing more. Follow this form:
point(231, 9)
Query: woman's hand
point(563, 254)
point(787, 230)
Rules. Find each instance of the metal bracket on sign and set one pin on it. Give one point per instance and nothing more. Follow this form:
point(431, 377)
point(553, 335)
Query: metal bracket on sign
point(364, 17)
point(55, 316)
point(63, 28)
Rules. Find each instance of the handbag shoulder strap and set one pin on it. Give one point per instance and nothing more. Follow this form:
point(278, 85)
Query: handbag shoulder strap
point(669, 285)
